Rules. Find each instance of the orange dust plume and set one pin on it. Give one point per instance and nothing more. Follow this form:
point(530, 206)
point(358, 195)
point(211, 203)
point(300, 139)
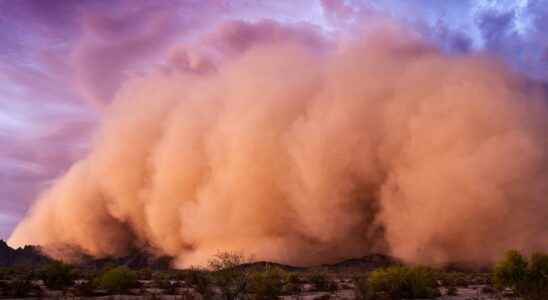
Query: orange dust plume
point(299, 148)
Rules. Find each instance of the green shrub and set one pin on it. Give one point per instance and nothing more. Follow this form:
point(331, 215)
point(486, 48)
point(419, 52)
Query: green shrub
point(57, 276)
point(402, 282)
point(267, 284)
point(511, 271)
point(117, 280)
point(319, 280)
point(526, 278)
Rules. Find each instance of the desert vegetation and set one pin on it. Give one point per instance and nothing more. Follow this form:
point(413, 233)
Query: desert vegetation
point(230, 275)
point(399, 282)
point(525, 277)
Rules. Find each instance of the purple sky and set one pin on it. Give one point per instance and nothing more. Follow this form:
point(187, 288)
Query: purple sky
point(61, 61)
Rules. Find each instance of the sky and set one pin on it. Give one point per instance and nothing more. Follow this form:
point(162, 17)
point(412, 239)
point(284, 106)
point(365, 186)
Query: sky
point(62, 61)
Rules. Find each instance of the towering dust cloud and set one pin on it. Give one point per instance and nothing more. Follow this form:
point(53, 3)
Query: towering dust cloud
point(301, 149)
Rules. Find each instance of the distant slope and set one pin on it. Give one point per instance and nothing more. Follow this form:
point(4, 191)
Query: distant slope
point(31, 256)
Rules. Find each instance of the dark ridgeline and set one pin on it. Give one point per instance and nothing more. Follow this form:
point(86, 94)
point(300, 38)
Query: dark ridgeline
point(32, 256)
point(28, 256)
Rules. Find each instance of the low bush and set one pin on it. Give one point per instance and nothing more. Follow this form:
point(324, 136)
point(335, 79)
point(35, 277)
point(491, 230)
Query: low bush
point(452, 291)
point(197, 278)
point(292, 278)
point(526, 278)
point(267, 284)
point(362, 286)
point(144, 274)
point(84, 289)
point(401, 282)
point(454, 279)
point(57, 276)
point(165, 282)
point(21, 287)
point(292, 283)
point(319, 280)
point(7, 273)
point(117, 280)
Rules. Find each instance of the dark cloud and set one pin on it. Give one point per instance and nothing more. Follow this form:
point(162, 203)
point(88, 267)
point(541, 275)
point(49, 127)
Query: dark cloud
point(497, 28)
point(523, 49)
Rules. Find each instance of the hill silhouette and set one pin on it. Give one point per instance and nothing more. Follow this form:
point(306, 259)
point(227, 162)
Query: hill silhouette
point(32, 256)
point(28, 256)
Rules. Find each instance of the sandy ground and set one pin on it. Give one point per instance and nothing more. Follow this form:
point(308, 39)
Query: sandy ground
point(469, 293)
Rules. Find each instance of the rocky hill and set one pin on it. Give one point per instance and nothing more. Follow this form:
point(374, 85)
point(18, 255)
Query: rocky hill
point(28, 256)
point(32, 256)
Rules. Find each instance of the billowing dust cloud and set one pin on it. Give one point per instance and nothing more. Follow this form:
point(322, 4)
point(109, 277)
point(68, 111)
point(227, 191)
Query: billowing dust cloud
point(297, 148)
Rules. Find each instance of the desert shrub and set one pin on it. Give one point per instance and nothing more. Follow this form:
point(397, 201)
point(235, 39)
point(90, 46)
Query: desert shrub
point(85, 288)
point(169, 287)
point(537, 277)
point(117, 280)
point(164, 281)
point(57, 276)
point(526, 278)
point(7, 273)
point(291, 283)
point(488, 289)
point(226, 275)
point(402, 282)
point(290, 288)
point(144, 274)
point(452, 291)
point(21, 287)
point(267, 284)
point(319, 280)
point(362, 286)
point(322, 282)
point(292, 278)
point(226, 260)
point(198, 278)
point(453, 279)
point(511, 271)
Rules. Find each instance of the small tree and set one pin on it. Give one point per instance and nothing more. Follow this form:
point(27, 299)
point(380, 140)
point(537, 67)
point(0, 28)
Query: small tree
point(526, 278)
point(227, 276)
point(538, 276)
point(511, 272)
point(117, 280)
